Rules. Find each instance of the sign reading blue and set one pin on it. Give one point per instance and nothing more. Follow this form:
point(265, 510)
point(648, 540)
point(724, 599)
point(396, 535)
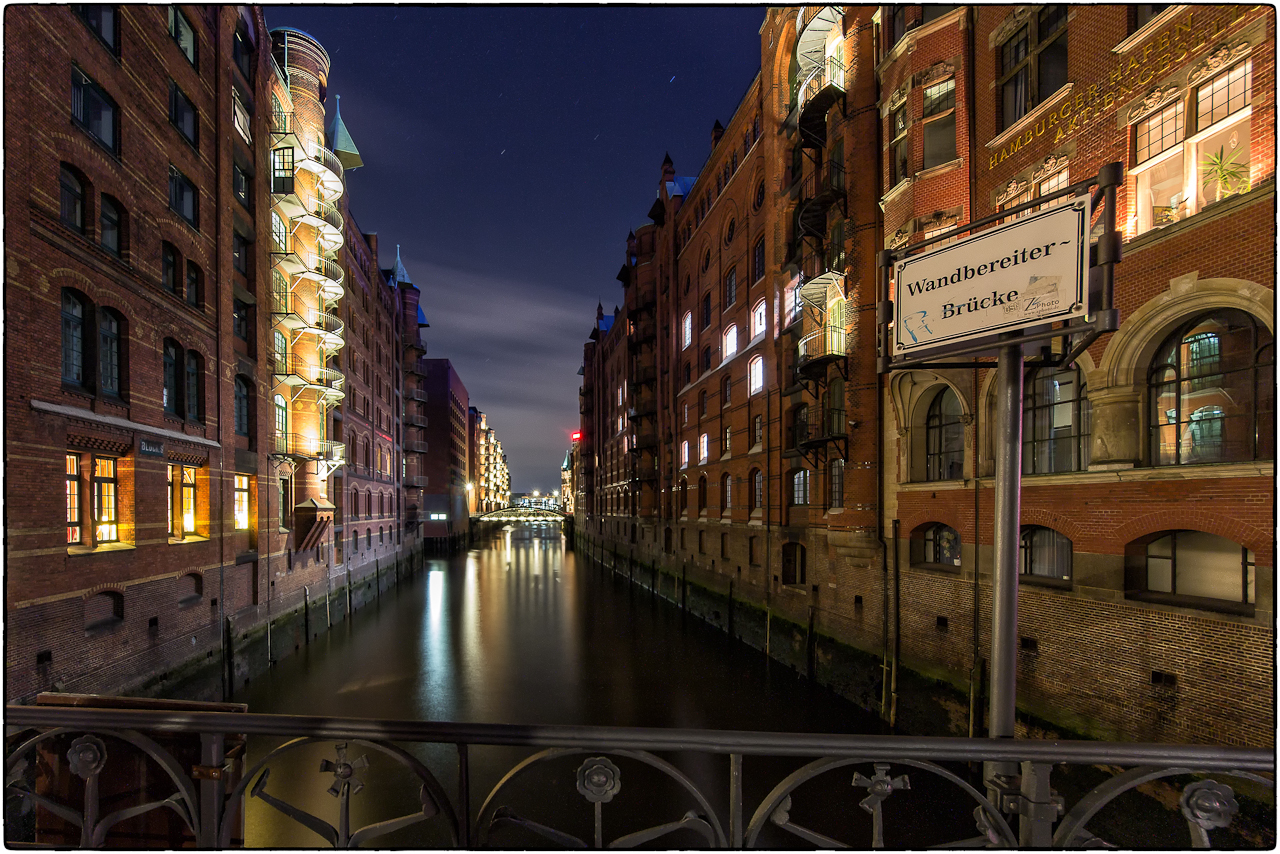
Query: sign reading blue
point(150, 447)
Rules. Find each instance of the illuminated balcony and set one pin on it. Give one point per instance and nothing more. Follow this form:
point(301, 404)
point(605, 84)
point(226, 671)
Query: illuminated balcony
point(301, 375)
point(325, 218)
point(325, 166)
point(285, 259)
point(303, 447)
point(289, 311)
point(326, 274)
point(327, 326)
point(817, 349)
point(822, 87)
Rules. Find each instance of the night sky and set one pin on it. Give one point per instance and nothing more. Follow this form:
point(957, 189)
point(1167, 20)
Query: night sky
point(508, 151)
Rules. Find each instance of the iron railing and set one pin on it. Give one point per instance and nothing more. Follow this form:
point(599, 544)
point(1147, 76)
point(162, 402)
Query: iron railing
point(416, 394)
point(281, 122)
point(828, 341)
point(830, 72)
point(918, 790)
point(326, 158)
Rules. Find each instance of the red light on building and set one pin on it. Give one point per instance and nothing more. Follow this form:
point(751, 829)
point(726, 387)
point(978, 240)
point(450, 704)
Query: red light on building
point(576, 435)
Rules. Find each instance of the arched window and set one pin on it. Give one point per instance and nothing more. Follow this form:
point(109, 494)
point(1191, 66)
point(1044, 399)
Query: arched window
point(355, 503)
point(758, 319)
point(726, 492)
point(799, 425)
point(109, 352)
point(835, 484)
point(71, 199)
point(195, 386)
point(686, 329)
point(944, 438)
point(755, 374)
point(937, 544)
point(706, 359)
point(280, 351)
point(73, 312)
point(730, 341)
point(172, 389)
point(800, 487)
point(243, 396)
point(1055, 422)
point(757, 489)
point(1212, 392)
point(1044, 553)
point(281, 424)
point(103, 610)
point(169, 267)
point(702, 493)
point(190, 588)
point(1192, 568)
point(111, 223)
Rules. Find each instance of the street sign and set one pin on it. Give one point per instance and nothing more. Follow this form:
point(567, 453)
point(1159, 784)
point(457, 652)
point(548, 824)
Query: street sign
point(1025, 273)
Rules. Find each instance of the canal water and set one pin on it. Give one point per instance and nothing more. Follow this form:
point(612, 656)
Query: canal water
point(521, 631)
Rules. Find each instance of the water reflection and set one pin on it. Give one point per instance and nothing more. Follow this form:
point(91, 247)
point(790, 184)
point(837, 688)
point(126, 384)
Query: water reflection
point(519, 632)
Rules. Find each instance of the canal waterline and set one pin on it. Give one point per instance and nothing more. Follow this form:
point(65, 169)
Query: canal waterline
point(522, 631)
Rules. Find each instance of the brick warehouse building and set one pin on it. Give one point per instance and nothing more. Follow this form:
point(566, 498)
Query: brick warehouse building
point(227, 424)
point(882, 127)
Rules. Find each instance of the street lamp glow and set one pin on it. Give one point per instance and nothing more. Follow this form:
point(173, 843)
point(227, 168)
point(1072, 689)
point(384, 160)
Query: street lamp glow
point(470, 486)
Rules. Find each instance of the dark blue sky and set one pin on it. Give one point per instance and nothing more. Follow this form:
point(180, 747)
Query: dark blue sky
point(508, 151)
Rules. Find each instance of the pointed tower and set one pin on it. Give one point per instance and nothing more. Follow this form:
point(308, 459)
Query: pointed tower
point(340, 141)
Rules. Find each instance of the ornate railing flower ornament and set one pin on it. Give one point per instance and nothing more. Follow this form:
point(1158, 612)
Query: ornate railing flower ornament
point(87, 756)
point(599, 780)
point(344, 772)
point(1209, 804)
point(879, 786)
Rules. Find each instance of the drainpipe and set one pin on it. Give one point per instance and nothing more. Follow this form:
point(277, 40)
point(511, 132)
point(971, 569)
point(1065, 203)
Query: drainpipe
point(897, 632)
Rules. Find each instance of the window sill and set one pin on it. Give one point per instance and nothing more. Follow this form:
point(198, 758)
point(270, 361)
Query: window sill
point(1044, 581)
point(1045, 106)
point(99, 549)
point(1263, 190)
point(896, 189)
point(940, 169)
point(1200, 603)
point(188, 601)
point(947, 568)
point(103, 627)
point(192, 538)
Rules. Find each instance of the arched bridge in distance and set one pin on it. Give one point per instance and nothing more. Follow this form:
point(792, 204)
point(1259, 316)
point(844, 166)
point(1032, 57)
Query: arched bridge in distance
point(522, 514)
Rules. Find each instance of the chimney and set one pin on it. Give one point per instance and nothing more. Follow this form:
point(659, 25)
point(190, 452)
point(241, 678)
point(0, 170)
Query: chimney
point(668, 168)
point(717, 131)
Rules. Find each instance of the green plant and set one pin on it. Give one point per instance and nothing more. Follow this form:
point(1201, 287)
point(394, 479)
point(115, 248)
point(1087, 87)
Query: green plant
point(1223, 169)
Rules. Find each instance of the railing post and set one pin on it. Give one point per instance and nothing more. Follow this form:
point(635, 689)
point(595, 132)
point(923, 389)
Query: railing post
point(1039, 807)
point(212, 789)
point(464, 797)
point(735, 800)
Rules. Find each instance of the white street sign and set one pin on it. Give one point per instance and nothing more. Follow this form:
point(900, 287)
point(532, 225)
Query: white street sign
point(1026, 273)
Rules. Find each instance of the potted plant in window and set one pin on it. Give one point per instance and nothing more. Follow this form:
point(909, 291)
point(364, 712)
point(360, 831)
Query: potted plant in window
point(1222, 169)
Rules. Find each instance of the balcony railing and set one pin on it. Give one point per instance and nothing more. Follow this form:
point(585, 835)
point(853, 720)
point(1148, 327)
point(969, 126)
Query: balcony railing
point(830, 341)
point(308, 447)
point(281, 123)
point(415, 421)
point(416, 447)
point(416, 394)
point(825, 77)
point(327, 274)
point(418, 481)
point(325, 165)
point(912, 791)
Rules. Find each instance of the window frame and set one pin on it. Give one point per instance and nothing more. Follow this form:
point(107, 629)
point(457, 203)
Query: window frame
point(182, 110)
point(1029, 62)
point(86, 93)
point(71, 200)
point(106, 500)
point(932, 121)
point(1140, 580)
point(934, 437)
point(110, 363)
point(730, 289)
point(243, 394)
point(755, 375)
point(1027, 569)
point(757, 260)
point(178, 21)
point(111, 221)
point(84, 11)
point(180, 188)
point(74, 351)
point(1039, 427)
point(74, 500)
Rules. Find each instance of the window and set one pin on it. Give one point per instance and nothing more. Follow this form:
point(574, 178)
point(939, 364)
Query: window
point(243, 396)
point(684, 454)
point(944, 438)
point(240, 253)
point(240, 184)
point(728, 439)
point(109, 353)
point(706, 310)
point(182, 500)
point(730, 341)
point(182, 114)
point(730, 289)
point(71, 199)
point(1052, 184)
point(725, 388)
point(702, 503)
point(74, 532)
point(757, 430)
point(240, 319)
point(183, 199)
point(757, 261)
point(240, 117)
point(733, 223)
point(73, 311)
point(1221, 153)
point(940, 123)
point(172, 355)
point(1160, 131)
point(105, 526)
point(195, 386)
point(182, 33)
point(1212, 392)
point(758, 319)
point(937, 544)
point(1203, 568)
point(109, 224)
point(686, 326)
point(757, 489)
point(706, 359)
point(102, 21)
point(1033, 63)
point(755, 374)
point(282, 171)
point(1055, 422)
point(242, 51)
point(900, 148)
point(94, 110)
point(726, 492)
point(800, 487)
point(169, 267)
point(1044, 553)
point(835, 484)
point(703, 449)
point(702, 404)
point(194, 280)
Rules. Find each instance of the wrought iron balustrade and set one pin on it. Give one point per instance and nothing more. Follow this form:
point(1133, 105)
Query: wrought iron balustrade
point(685, 787)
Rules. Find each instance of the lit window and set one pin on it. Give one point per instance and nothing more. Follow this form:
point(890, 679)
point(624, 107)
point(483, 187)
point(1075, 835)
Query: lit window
point(939, 544)
point(242, 502)
point(1199, 566)
point(106, 529)
point(684, 454)
point(1033, 63)
point(728, 438)
point(1055, 182)
point(1044, 553)
point(1160, 131)
point(758, 319)
point(755, 374)
point(703, 449)
point(940, 123)
point(900, 148)
point(73, 499)
point(240, 117)
point(687, 330)
point(730, 341)
point(282, 171)
point(1224, 95)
